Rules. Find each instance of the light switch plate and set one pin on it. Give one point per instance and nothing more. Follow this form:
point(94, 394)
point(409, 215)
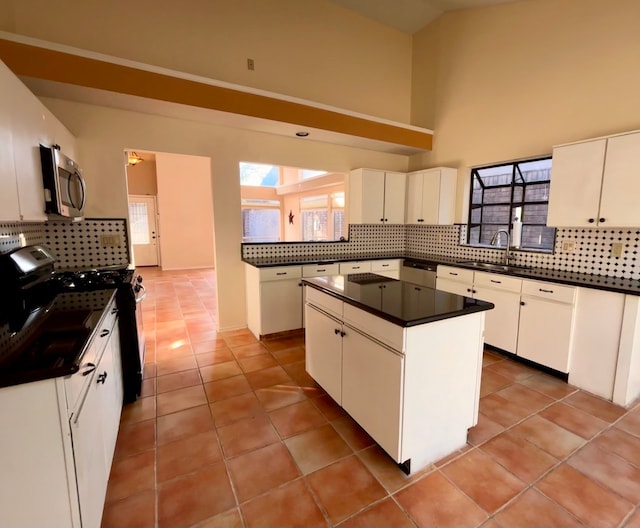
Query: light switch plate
point(616, 249)
point(568, 246)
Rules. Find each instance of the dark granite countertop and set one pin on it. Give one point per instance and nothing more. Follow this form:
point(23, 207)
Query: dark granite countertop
point(570, 278)
point(50, 343)
point(399, 302)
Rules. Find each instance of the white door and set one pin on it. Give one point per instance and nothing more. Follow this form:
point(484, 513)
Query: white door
point(142, 219)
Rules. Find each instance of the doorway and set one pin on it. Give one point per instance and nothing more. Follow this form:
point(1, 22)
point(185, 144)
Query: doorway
point(144, 229)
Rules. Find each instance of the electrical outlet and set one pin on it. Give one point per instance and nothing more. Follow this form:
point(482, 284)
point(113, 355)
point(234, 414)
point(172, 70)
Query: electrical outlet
point(111, 240)
point(616, 249)
point(569, 246)
point(439, 238)
point(251, 65)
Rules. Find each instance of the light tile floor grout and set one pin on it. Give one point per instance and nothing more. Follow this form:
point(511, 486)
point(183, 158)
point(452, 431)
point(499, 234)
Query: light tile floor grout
point(169, 310)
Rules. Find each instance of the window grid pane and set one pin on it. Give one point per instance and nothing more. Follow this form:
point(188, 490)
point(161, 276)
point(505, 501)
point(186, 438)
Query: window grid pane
point(139, 218)
point(501, 193)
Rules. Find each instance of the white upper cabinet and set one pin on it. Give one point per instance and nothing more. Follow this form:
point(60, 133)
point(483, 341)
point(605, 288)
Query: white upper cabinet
point(595, 183)
point(376, 197)
point(9, 208)
point(621, 182)
point(431, 196)
point(25, 123)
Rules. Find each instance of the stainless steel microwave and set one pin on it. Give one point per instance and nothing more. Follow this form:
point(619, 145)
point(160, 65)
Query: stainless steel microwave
point(65, 190)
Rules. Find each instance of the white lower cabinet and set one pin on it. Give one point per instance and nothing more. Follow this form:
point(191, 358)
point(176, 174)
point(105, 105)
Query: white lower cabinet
point(387, 268)
point(58, 441)
point(274, 299)
point(546, 324)
point(414, 390)
point(323, 359)
point(373, 382)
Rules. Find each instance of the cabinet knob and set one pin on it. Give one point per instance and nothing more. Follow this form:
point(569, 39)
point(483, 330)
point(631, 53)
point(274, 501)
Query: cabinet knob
point(342, 334)
point(299, 284)
point(336, 331)
point(469, 290)
point(522, 303)
point(592, 220)
point(602, 220)
point(382, 219)
point(386, 220)
point(102, 377)
point(104, 333)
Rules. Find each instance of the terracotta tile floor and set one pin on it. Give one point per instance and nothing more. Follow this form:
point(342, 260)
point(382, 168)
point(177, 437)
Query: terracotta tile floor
point(232, 432)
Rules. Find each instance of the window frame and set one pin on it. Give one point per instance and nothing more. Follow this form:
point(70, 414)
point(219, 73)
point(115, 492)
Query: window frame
point(513, 205)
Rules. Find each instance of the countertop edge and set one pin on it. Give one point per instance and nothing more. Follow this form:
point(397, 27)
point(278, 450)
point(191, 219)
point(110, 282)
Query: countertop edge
point(484, 306)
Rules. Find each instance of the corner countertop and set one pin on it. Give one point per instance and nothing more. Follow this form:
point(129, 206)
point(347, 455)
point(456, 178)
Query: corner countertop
point(570, 278)
point(402, 303)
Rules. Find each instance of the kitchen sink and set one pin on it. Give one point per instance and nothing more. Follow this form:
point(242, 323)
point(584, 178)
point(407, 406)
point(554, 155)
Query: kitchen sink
point(490, 266)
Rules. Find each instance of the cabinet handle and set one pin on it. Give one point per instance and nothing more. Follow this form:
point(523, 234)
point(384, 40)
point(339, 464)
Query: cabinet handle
point(90, 369)
point(336, 331)
point(522, 303)
point(385, 265)
point(281, 272)
point(452, 273)
point(104, 333)
point(545, 291)
point(114, 310)
point(102, 377)
point(602, 220)
point(418, 289)
point(321, 270)
point(355, 267)
point(592, 220)
point(496, 282)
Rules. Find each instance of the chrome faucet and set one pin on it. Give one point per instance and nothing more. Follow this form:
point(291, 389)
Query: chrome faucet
point(496, 237)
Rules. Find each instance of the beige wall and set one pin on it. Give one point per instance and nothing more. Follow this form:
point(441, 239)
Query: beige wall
point(185, 210)
point(104, 134)
point(313, 49)
point(141, 178)
point(514, 79)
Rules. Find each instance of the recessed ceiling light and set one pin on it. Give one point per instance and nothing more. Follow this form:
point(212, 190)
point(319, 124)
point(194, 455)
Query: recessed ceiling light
point(302, 134)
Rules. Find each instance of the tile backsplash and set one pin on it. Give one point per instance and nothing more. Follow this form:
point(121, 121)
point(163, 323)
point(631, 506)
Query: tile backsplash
point(75, 245)
point(591, 251)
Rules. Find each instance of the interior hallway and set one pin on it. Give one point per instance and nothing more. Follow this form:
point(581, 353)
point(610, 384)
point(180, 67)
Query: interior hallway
point(232, 432)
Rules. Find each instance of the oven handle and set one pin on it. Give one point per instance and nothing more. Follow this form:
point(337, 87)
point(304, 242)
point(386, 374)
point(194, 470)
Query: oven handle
point(144, 294)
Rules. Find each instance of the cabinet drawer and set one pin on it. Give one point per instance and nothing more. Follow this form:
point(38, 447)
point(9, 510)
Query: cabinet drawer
point(452, 273)
point(280, 273)
point(323, 301)
point(355, 267)
point(548, 290)
point(74, 384)
point(385, 265)
point(317, 270)
point(500, 282)
point(384, 331)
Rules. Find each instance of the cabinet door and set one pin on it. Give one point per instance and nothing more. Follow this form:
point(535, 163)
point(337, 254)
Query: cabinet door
point(545, 332)
point(621, 182)
point(414, 199)
point(29, 130)
point(576, 182)
point(501, 323)
point(372, 384)
point(394, 197)
point(323, 357)
point(431, 197)
point(373, 188)
point(92, 472)
point(111, 393)
point(9, 207)
point(280, 306)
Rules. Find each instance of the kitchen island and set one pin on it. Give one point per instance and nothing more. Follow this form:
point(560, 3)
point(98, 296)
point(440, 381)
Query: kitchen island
point(403, 360)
